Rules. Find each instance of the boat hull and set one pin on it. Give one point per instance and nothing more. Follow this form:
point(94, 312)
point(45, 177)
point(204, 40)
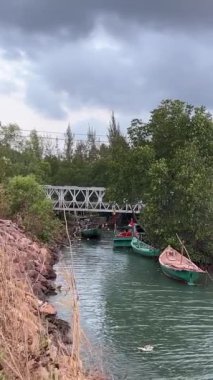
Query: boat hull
point(122, 242)
point(190, 277)
point(91, 233)
point(175, 265)
point(144, 249)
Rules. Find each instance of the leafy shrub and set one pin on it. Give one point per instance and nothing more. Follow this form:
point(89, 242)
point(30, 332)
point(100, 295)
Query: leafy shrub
point(27, 200)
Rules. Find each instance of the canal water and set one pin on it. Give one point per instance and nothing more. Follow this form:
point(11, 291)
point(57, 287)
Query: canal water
point(126, 302)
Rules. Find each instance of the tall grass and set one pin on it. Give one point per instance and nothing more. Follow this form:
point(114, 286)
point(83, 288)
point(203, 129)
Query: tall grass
point(21, 330)
point(27, 351)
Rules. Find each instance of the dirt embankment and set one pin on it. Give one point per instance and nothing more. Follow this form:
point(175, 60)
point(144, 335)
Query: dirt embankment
point(34, 343)
point(30, 260)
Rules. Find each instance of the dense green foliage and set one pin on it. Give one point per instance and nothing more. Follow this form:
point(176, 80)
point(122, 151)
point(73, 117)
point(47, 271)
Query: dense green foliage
point(178, 179)
point(26, 201)
point(167, 163)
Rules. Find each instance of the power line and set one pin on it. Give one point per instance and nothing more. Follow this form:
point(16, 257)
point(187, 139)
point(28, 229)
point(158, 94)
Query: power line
point(62, 139)
point(58, 133)
point(47, 137)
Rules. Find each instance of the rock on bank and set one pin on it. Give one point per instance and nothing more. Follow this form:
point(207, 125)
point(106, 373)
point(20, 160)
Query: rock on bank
point(28, 258)
point(34, 344)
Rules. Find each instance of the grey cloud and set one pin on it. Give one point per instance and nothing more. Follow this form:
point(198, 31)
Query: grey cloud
point(79, 17)
point(132, 79)
point(41, 98)
point(156, 53)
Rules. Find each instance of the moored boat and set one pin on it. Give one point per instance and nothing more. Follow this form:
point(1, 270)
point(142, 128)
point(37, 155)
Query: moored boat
point(122, 241)
point(176, 265)
point(123, 238)
point(91, 233)
point(144, 249)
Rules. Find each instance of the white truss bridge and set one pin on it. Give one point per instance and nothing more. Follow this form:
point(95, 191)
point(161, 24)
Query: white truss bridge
point(88, 199)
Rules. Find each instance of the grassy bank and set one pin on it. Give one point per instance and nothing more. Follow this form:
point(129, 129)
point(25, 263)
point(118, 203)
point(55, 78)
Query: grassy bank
point(32, 345)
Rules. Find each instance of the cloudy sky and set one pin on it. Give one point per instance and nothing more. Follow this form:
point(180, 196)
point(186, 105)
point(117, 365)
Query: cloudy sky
point(64, 60)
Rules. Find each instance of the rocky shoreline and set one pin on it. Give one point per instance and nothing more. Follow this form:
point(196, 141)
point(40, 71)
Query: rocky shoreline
point(35, 261)
point(41, 347)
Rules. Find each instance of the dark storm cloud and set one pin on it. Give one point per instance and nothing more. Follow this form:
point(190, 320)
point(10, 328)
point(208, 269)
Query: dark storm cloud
point(45, 16)
point(131, 79)
point(121, 55)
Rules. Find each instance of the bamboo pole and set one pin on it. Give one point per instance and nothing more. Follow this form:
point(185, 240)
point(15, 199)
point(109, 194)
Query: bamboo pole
point(183, 247)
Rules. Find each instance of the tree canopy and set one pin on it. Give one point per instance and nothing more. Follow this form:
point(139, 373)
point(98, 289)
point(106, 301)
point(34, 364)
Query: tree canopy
point(167, 163)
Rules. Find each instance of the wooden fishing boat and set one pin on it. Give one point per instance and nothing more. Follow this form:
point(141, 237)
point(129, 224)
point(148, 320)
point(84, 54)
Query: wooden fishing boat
point(126, 234)
point(179, 267)
point(91, 233)
point(123, 238)
point(144, 249)
point(122, 241)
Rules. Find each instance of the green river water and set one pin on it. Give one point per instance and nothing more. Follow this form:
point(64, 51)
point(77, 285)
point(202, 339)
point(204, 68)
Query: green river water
point(126, 302)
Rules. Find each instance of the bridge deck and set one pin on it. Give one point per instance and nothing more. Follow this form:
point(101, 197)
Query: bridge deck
point(74, 198)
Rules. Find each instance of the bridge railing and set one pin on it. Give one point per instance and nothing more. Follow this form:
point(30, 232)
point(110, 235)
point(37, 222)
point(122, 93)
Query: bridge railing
point(74, 198)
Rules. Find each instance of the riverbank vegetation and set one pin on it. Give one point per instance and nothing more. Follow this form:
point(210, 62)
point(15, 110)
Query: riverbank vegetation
point(34, 344)
point(23, 337)
point(23, 200)
point(167, 163)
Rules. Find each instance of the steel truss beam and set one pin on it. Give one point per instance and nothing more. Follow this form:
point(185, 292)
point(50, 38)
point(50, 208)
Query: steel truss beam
point(74, 198)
